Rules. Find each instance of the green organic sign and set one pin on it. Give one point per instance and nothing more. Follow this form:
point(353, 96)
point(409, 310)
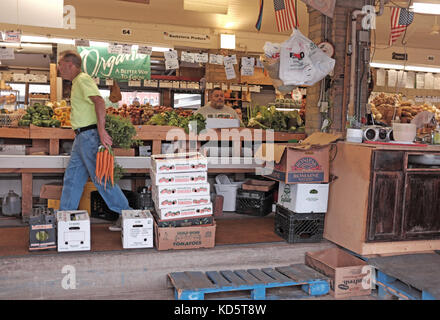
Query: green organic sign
point(97, 62)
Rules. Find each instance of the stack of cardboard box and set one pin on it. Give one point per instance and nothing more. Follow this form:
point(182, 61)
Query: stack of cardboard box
point(183, 208)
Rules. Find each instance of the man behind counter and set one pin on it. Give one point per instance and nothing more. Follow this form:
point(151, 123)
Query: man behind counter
point(216, 108)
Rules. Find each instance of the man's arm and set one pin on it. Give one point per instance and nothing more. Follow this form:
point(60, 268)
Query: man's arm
point(105, 138)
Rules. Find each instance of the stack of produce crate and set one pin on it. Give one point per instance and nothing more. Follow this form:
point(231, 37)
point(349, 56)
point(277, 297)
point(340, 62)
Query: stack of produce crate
point(183, 208)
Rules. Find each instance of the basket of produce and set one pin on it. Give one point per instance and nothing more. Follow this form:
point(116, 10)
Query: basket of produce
point(8, 119)
point(40, 116)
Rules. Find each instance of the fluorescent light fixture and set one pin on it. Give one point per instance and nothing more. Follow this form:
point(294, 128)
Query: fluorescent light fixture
point(227, 41)
point(428, 8)
point(402, 67)
point(46, 40)
point(207, 6)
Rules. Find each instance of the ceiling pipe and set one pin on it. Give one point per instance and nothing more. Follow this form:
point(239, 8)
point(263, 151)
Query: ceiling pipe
point(354, 15)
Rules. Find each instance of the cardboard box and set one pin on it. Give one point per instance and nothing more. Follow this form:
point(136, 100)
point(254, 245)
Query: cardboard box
point(185, 222)
point(164, 192)
point(305, 162)
point(179, 162)
point(178, 238)
point(184, 212)
point(348, 274)
point(51, 190)
point(13, 149)
point(163, 179)
point(304, 197)
point(42, 232)
point(73, 230)
point(181, 201)
point(137, 229)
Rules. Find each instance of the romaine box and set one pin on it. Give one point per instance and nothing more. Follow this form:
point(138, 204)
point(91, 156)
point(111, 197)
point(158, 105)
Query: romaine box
point(306, 162)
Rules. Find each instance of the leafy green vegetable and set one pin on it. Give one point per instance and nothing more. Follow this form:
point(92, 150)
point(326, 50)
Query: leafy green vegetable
point(122, 131)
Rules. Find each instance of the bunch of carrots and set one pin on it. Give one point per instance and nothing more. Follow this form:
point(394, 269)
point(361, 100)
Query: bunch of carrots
point(104, 165)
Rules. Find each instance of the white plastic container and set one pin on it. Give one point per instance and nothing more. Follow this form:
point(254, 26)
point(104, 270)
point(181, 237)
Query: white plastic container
point(304, 197)
point(73, 230)
point(137, 229)
point(229, 193)
point(404, 132)
point(354, 135)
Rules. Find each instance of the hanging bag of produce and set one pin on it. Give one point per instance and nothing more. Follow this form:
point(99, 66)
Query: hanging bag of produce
point(302, 62)
point(115, 93)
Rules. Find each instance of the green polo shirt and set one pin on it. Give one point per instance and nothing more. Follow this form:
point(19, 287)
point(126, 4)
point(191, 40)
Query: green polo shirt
point(83, 108)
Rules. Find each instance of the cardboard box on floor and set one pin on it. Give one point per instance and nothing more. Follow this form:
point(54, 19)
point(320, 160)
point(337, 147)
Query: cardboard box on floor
point(348, 274)
point(305, 162)
point(191, 237)
point(51, 190)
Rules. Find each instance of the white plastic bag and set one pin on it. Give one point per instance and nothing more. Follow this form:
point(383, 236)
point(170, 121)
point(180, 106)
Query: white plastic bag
point(302, 62)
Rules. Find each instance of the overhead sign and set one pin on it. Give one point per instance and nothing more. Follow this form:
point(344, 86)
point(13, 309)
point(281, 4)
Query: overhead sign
point(98, 62)
point(191, 37)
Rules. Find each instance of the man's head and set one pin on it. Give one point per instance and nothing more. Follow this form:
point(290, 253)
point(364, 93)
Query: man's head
point(217, 98)
point(69, 64)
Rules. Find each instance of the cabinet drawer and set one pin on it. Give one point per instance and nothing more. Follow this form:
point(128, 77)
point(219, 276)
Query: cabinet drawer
point(388, 160)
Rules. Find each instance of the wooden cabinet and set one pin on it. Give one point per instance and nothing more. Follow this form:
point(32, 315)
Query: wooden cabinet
point(379, 203)
point(403, 205)
point(421, 210)
point(385, 206)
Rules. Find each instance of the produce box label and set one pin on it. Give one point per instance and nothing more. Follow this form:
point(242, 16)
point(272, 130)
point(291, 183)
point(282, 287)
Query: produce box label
point(184, 212)
point(97, 62)
point(179, 178)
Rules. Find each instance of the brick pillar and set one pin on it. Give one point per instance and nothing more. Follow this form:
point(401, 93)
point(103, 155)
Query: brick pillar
point(337, 34)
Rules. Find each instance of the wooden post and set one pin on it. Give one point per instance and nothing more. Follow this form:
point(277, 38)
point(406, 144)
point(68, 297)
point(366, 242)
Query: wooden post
point(53, 82)
point(26, 194)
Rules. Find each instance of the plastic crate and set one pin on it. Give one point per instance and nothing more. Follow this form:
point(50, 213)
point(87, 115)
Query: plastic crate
point(253, 202)
point(99, 208)
point(299, 227)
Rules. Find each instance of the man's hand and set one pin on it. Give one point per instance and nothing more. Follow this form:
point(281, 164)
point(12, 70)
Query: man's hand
point(105, 138)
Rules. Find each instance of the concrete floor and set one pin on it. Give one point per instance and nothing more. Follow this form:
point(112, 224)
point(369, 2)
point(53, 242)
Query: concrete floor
point(142, 273)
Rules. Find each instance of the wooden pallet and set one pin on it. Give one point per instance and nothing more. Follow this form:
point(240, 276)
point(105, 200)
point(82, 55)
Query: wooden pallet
point(193, 285)
point(409, 277)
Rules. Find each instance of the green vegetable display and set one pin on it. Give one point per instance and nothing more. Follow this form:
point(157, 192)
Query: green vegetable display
point(262, 117)
point(172, 118)
point(122, 131)
point(40, 116)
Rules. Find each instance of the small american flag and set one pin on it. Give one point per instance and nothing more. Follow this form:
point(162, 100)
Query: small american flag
point(285, 14)
point(400, 20)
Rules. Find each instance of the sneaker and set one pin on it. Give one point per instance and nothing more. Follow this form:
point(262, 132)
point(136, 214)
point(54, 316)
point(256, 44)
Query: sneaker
point(117, 226)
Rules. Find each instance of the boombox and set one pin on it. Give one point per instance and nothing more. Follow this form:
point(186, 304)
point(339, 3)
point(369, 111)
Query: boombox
point(377, 133)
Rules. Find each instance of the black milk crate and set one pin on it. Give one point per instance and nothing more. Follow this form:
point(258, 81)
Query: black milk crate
point(253, 202)
point(100, 209)
point(299, 227)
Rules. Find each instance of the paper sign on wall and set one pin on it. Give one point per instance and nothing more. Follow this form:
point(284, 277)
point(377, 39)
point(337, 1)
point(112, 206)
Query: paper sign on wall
point(82, 43)
point(392, 78)
point(247, 66)
point(12, 36)
point(429, 81)
point(420, 81)
point(230, 60)
point(151, 83)
point(114, 48)
point(171, 60)
point(380, 77)
point(410, 80)
point(216, 59)
point(230, 71)
point(145, 50)
point(401, 78)
point(201, 57)
point(187, 57)
point(437, 81)
point(7, 53)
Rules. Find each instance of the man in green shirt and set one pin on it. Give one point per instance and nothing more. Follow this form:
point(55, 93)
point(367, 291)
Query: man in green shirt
point(88, 122)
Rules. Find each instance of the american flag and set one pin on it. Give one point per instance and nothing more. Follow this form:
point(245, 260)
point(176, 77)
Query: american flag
point(400, 20)
point(285, 14)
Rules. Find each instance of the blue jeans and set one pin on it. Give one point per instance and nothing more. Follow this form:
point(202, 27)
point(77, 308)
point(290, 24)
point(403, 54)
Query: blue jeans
point(81, 166)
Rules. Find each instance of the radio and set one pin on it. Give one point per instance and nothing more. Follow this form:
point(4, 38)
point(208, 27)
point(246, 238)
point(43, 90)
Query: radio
point(378, 133)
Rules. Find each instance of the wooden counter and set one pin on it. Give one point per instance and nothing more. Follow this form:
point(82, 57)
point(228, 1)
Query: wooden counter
point(379, 204)
point(49, 138)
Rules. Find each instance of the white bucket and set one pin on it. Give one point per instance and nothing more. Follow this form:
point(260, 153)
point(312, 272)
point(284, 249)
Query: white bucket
point(229, 193)
point(354, 135)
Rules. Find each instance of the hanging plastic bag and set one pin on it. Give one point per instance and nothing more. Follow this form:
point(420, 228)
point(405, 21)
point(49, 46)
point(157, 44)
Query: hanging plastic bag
point(302, 62)
point(271, 62)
